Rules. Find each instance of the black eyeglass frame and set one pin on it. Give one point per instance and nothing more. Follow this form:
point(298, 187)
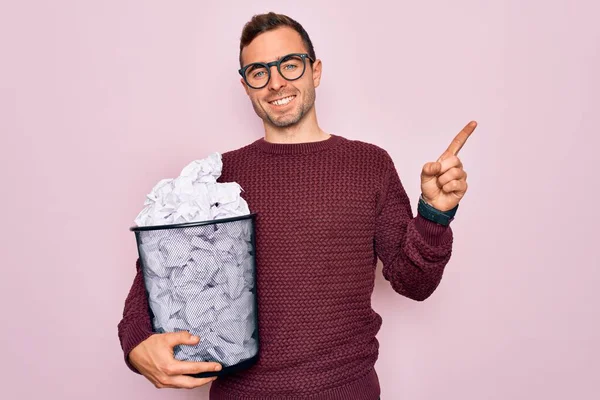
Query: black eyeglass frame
point(277, 63)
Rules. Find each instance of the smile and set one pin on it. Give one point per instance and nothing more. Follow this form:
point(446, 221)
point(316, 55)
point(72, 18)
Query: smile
point(282, 102)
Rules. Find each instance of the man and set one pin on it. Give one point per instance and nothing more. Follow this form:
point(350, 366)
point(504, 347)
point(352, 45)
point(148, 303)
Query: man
point(328, 208)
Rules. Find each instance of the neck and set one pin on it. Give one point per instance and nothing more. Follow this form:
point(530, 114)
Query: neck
point(305, 130)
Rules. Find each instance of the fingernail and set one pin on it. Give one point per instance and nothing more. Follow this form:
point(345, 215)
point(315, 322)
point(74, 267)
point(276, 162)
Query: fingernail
point(217, 367)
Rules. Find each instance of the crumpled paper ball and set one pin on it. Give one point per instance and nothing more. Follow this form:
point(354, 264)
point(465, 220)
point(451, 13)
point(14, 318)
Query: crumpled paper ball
point(195, 195)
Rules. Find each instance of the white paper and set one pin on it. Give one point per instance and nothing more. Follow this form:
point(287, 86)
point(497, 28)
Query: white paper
point(210, 295)
point(200, 279)
point(193, 196)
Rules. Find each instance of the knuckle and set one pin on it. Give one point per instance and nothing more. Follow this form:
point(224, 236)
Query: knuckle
point(168, 369)
point(189, 385)
point(163, 380)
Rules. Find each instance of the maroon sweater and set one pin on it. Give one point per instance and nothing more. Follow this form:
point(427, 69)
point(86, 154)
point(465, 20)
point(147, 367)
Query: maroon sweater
point(326, 211)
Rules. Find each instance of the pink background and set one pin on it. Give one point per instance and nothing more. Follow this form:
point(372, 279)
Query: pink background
point(99, 100)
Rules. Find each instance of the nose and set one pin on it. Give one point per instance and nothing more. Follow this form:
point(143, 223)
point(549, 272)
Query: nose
point(277, 81)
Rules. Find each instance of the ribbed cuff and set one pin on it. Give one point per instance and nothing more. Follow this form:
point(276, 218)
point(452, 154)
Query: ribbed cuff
point(133, 336)
point(434, 234)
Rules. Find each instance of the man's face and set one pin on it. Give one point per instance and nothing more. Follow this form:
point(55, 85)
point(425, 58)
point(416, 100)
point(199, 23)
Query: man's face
point(268, 101)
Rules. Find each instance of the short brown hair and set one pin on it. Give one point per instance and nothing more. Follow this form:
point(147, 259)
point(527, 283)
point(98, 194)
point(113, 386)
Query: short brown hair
point(261, 23)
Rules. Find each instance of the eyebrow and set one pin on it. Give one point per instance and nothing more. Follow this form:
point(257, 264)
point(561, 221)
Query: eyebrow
point(277, 59)
point(252, 67)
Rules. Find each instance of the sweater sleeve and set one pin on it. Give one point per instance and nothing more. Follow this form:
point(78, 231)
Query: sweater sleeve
point(135, 326)
point(413, 250)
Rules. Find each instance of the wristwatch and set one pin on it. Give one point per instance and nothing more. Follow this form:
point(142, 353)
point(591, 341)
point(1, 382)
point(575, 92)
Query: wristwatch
point(431, 213)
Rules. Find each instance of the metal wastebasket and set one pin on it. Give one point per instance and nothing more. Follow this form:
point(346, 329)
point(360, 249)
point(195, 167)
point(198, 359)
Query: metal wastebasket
point(201, 277)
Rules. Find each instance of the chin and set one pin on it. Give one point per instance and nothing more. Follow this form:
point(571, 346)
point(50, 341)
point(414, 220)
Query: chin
point(286, 121)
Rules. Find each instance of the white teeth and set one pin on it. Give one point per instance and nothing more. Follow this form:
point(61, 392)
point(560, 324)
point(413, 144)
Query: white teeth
point(283, 101)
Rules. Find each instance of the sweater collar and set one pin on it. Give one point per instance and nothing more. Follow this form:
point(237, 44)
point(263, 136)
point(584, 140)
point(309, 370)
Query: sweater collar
point(297, 148)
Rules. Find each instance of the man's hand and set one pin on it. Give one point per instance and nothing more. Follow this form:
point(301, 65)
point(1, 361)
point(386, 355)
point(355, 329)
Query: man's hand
point(444, 182)
point(154, 359)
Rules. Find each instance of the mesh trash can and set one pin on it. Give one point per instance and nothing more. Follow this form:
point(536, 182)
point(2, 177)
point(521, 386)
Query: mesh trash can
point(201, 277)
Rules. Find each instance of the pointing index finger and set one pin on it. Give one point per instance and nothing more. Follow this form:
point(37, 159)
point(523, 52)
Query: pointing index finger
point(459, 140)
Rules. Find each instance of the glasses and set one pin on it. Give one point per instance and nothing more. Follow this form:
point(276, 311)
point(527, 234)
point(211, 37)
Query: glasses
point(290, 67)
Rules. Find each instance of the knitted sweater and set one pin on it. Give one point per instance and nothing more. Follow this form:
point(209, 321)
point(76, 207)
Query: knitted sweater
point(326, 211)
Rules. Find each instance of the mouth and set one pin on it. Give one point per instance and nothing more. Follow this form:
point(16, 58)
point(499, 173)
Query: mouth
point(283, 101)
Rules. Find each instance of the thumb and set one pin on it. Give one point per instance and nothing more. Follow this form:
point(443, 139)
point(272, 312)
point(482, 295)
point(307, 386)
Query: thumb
point(181, 337)
point(430, 171)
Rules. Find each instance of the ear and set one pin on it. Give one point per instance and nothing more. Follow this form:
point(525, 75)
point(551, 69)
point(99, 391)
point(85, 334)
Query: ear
point(244, 86)
point(317, 68)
